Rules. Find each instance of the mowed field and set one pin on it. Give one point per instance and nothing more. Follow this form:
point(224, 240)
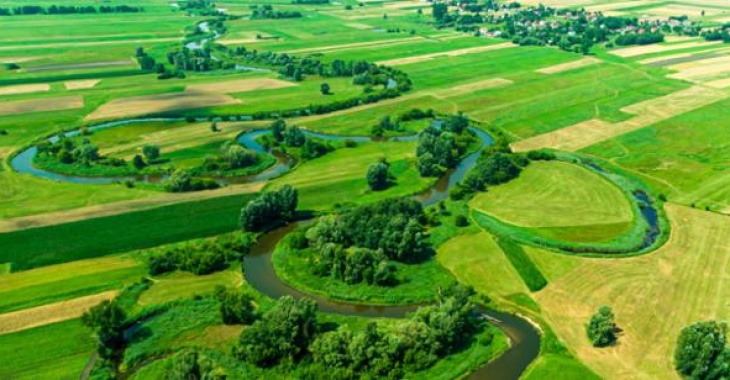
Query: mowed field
point(654, 296)
point(556, 199)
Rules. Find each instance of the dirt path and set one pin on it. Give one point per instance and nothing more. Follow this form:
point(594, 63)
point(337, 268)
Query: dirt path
point(89, 366)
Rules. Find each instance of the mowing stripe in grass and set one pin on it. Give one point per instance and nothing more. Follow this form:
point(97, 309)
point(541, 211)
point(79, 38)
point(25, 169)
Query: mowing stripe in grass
point(61, 243)
point(523, 264)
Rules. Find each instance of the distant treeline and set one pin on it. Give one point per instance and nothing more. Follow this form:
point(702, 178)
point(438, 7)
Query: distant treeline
point(65, 10)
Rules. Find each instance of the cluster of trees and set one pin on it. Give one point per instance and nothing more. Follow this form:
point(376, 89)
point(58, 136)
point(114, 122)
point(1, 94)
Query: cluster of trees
point(283, 333)
point(195, 60)
point(702, 351)
point(646, 38)
point(394, 225)
point(69, 151)
point(181, 181)
point(494, 168)
point(199, 7)
point(395, 124)
point(269, 208)
point(411, 345)
point(378, 176)
point(718, 34)
point(439, 148)
point(232, 156)
point(363, 72)
point(294, 137)
point(194, 364)
point(290, 333)
point(267, 11)
point(601, 329)
point(67, 9)
point(200, 257)
point(358, 246)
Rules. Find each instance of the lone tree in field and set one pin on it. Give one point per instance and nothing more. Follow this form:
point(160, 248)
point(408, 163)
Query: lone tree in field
point(325, 88)
point(107, 321)
point(702, 353)
point(378, 176)
point(602, 328)
point(151, 152)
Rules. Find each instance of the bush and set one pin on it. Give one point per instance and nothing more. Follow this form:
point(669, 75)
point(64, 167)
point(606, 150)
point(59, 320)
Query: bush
point(461, 221)
point(236, 307)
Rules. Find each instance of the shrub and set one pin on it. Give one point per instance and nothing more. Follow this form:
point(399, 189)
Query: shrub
point(601, 329)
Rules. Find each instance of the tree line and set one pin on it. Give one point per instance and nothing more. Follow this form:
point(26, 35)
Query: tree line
point(267, 11)
point(26, 10)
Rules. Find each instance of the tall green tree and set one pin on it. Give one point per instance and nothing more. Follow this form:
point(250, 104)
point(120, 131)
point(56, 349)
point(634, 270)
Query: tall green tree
point(601, 329)
point(378, 176)
point(701, 352)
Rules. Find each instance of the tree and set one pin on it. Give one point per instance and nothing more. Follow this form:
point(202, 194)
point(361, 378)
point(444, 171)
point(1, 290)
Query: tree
point(235, 307)
point(107, 321)
point(270, 207)
point(277, 129)
point(294, 137)
point(325, 88)
point(601, 329)
point(151, 152)
point(214, 127)
point(439, 11)
point(138, 162)
point(701, 351)
point(378, 176)
point(284, 332)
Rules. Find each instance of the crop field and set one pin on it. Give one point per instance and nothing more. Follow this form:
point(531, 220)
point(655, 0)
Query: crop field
point(633, 151)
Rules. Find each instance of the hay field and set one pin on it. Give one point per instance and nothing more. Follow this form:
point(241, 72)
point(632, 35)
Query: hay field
point(452, 53)
point(659, 48)
point(239, 85)
point(648, 112)
point(354, 45)
point(654, 296)
point(52, 313)
point(194, 96)
point(588, 61)
point(24, 89)
point(144, 105)
point(81, 84)
point(41, 105)
point(555, 194)
point(702, 69)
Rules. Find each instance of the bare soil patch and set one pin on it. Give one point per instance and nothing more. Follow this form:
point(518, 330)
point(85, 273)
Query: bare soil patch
point(41, 105)
point(588, 61)
point(24, 89)
point(702, 69)
point(19, 59)
point(720, 83)
point(359, 25)
point(47, 314)
point(90, 43)
point(81, 84)
point(452, 53)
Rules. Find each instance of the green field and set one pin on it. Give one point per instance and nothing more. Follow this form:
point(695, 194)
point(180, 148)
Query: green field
point(560, 201)
point(534, 246)
point(57, 351)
